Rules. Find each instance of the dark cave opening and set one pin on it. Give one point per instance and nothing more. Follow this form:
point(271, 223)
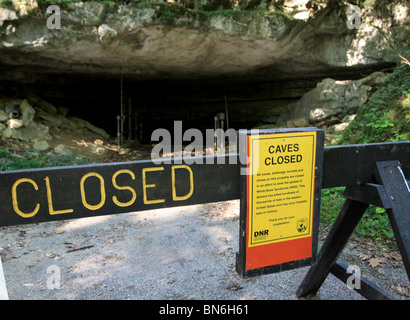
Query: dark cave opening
point(246, 101)
point(148, 105)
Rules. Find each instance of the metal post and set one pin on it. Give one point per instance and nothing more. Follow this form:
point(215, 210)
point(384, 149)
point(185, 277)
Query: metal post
point(129, 120)
point(119, 131)
point(136, 127)
point(215, 127)
point(227, 115)
point(220, 136)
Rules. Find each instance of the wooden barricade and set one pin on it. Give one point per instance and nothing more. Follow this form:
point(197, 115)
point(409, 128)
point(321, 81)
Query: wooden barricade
point(372, 173)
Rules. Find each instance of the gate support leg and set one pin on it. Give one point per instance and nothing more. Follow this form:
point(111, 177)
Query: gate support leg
point(347, 220)
point(393, 194)
point(390, 175)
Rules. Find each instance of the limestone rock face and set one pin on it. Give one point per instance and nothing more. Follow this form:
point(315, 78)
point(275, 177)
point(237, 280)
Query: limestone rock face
point(180, 59)
point(155, 41)
point(332, 98)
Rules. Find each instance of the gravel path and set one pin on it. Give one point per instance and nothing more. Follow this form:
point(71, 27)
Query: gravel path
point(178, 253)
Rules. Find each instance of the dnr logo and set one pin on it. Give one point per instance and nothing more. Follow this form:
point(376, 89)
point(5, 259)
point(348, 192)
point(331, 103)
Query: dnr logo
point(261, 233)
point(302, 225)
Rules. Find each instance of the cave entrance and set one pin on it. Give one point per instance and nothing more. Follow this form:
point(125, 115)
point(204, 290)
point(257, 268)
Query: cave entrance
point(150, 104)
point(247, 101)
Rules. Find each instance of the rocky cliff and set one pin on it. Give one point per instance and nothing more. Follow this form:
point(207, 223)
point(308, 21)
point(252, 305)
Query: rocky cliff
point(180, 59)
point(155, 40)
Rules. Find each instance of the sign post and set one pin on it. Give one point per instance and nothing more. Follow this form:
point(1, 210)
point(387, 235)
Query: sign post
point(280, 200)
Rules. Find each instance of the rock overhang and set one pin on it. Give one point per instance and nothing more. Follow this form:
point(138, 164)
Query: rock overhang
point(137, 41)
point(188, 58)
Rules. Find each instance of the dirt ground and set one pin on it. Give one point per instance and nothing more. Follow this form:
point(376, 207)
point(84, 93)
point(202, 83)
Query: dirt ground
point(181, 253)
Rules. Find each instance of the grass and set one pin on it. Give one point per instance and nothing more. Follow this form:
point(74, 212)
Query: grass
point(234, 12)
point(31, 159)
point(5, 3)
point(386, 115)
point(374, 225)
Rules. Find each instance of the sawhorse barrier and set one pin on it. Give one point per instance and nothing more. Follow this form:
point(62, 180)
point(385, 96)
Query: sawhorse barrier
point(391, 193)
point(373, 174)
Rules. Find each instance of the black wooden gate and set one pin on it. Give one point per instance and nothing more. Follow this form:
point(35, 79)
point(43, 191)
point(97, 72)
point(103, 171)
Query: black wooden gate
point(372, 173)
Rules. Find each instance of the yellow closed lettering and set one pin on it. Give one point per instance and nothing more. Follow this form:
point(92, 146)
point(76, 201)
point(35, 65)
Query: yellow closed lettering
point(15, 201)
point(102, 191)
point(50, 200)
point(145, 185)
point(114, 183)
point(191, 183)
point(56, 195)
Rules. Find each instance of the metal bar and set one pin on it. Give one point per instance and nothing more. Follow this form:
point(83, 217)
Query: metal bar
point(129, 119)
point(119, 131)
point(227, 115)
point(121, 128)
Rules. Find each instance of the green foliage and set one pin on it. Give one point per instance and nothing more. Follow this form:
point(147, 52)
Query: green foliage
point(34, 159)
point(235, 12)
point(217, 5)
point(374, 224)
point(167, 12)
point(332, 201)
point(28, 160)
point(5, 3)
point(386, 115)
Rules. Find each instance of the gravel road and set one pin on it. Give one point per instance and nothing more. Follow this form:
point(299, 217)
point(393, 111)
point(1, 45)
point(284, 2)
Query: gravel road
point(174, 253)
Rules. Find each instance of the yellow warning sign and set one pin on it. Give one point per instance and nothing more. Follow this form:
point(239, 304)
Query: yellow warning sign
point(281, 187)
